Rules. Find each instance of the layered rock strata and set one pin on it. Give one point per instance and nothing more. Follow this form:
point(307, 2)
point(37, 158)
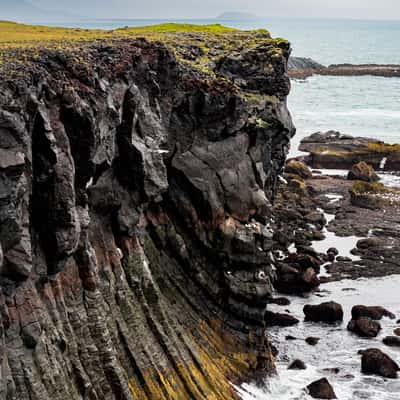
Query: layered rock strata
point(135, 219)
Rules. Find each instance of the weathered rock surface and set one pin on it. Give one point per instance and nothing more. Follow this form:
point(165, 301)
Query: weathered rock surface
point(321, 389)
point(373, 312)
point(339, 151)
point(374, 361)
point(362, 172)
point(135, 204)
point(392, 341)
point(364, 327)
point(325, 312)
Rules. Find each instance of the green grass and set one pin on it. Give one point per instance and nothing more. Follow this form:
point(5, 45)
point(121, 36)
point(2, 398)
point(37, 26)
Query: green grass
point(14, 35)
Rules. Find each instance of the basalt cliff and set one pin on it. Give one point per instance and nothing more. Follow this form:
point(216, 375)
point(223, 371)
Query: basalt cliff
point(136, 225)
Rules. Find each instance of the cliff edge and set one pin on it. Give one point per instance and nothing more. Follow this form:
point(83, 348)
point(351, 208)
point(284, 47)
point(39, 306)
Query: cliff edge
point(136, 182)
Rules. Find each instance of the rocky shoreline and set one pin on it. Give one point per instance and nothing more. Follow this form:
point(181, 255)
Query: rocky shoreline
point(303, 68)
point(321, 208)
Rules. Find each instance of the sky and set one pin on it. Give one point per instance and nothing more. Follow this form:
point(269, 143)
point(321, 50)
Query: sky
point(370, 9)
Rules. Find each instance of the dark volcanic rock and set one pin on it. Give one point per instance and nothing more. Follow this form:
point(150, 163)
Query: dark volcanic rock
point(297, 364)
point(374, 361)
point(364, 326)
point(325, 312)
point(321, 389)
point(393, 341)
point(135, 211)
point(278, 319)
point(374, 312)
point(280, 301)
point(312, 341)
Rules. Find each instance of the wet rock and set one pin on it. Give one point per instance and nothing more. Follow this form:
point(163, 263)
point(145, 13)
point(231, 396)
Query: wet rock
point(325, 312)
point(362, 172)
point(278, 319)
point(294, 281)
point(321, 389)
point(364, 244)
point(298, 168)
point(374, 361)
point(397, 331)
point(392, 341)
point(343, 259)
point(333, 250)
point(373, 312)
point(290, 337)
point(274, 350)
point(364, 327)
point(297, 364)
point(280, 301)
point(312, 341)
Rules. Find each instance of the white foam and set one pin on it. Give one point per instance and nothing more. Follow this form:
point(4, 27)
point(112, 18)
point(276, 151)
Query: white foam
point(337, 348)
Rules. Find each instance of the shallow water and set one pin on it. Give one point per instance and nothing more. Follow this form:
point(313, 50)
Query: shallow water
point(337, 347)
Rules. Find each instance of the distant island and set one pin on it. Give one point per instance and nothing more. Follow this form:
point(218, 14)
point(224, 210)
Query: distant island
point(236, 16)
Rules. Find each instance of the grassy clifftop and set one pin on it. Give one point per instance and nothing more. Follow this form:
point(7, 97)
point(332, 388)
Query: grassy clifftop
point(13, 34)
point(198, 45)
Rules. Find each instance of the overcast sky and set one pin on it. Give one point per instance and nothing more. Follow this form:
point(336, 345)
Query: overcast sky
point(381, 9)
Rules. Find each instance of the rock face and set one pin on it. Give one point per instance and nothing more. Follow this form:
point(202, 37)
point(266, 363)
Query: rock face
point(321, 389)
point(376, 362)
point(325, 312)
point(134, 220)
point(339, 151)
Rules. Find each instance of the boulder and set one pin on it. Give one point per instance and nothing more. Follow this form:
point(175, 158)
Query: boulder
point(339, 151)
point(333, 250)
point(362, 172)
point(325, 312)
point(364, 327)
point(297, 364)
point(374, 361)
point(298, 168)
point(397, 331)
point(392, 341)
point(321, 389)
point(364, 244)
point(374, 312)
point(280, 301)
point(312, 341)
point(278, 319)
